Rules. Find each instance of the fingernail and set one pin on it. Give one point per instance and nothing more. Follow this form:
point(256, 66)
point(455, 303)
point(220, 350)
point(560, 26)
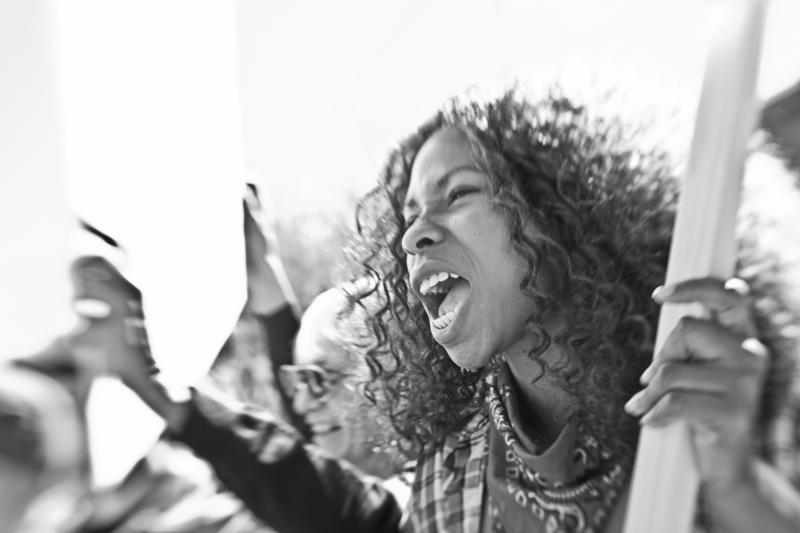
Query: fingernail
point(91, 308)
point(662, 292)
point(755, 347)
point(633, 406)
point(644, 379)
point(738, 285)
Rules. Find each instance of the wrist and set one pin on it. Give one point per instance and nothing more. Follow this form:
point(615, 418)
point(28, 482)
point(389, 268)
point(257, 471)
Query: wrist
point(174, 405)
point(761, 501)
point(731, 492)
point(268, 287)
point(166, 400)
point(264, 303)
point(176, 416)
point(738, 481)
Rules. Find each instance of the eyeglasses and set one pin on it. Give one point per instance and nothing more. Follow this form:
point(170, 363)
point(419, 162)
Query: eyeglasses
point(316, 380)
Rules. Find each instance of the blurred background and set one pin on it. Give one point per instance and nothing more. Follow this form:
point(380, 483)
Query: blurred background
point(145, 118)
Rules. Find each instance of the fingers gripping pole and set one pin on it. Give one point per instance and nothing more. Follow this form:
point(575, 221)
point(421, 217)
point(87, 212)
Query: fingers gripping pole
point(665, 479)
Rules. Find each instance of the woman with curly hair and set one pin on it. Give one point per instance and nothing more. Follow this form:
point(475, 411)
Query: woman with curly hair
point(512, 249)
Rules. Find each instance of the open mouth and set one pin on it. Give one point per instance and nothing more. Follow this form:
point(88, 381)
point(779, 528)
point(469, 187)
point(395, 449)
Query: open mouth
point(442, 294)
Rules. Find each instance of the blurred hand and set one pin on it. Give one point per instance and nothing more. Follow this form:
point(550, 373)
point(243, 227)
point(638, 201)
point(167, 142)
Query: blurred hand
point(709, 373)
point(267, 287)
point(259, 227)
point(113, 340)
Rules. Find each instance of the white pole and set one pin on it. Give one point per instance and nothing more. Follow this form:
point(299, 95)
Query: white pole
point(665, 480)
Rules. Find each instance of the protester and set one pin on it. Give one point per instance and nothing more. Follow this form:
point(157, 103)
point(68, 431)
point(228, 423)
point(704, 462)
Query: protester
point(324, 386)
point(512, 248)
point(45, 471)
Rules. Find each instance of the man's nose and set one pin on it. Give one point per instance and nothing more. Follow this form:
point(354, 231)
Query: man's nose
point(303, 401)
point(423, 233)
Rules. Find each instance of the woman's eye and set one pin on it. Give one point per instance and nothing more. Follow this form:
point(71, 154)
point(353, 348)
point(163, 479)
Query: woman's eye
point(456, 194)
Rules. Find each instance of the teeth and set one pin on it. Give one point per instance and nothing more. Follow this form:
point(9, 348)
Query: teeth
point(444, 320)
point(428, 285)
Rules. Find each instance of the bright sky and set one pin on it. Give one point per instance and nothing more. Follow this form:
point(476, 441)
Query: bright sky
point(343, 81)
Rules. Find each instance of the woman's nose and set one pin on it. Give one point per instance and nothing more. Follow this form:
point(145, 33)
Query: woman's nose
point(422, 234)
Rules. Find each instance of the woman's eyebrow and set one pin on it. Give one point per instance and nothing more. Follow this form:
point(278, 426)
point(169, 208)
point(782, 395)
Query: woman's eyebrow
point(442, 181)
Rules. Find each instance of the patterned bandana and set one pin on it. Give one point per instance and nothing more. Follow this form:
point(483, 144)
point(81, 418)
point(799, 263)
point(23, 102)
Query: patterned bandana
point(570, 487)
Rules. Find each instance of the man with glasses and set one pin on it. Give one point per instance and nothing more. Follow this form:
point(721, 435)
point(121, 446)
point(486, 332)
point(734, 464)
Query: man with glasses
point(323, 387)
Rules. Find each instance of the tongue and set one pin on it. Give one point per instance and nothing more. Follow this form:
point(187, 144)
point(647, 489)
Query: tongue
point(457, 294)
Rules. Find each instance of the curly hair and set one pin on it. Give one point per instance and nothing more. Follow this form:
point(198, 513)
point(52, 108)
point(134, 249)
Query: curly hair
point(603, 208)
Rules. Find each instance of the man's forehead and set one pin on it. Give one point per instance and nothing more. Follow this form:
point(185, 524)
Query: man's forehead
point(322, 351)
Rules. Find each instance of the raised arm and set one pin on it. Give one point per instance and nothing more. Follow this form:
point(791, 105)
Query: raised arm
point(710, 374)
point(290, 486)
point(270, 297)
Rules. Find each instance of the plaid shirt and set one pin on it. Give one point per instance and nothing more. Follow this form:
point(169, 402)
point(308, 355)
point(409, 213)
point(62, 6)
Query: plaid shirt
point(447, 493)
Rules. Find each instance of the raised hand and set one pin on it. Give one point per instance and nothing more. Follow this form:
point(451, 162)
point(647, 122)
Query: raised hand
point(114, 337)
point(268, 288)
point(709, 373)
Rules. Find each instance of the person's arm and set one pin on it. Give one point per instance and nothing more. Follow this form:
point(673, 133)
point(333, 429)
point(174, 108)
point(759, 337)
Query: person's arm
point(278, 329)
point(764, 502)
point(268, 287)
point(289, 485)
point(710, 374)
point(273, 306)
point(270, 298)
